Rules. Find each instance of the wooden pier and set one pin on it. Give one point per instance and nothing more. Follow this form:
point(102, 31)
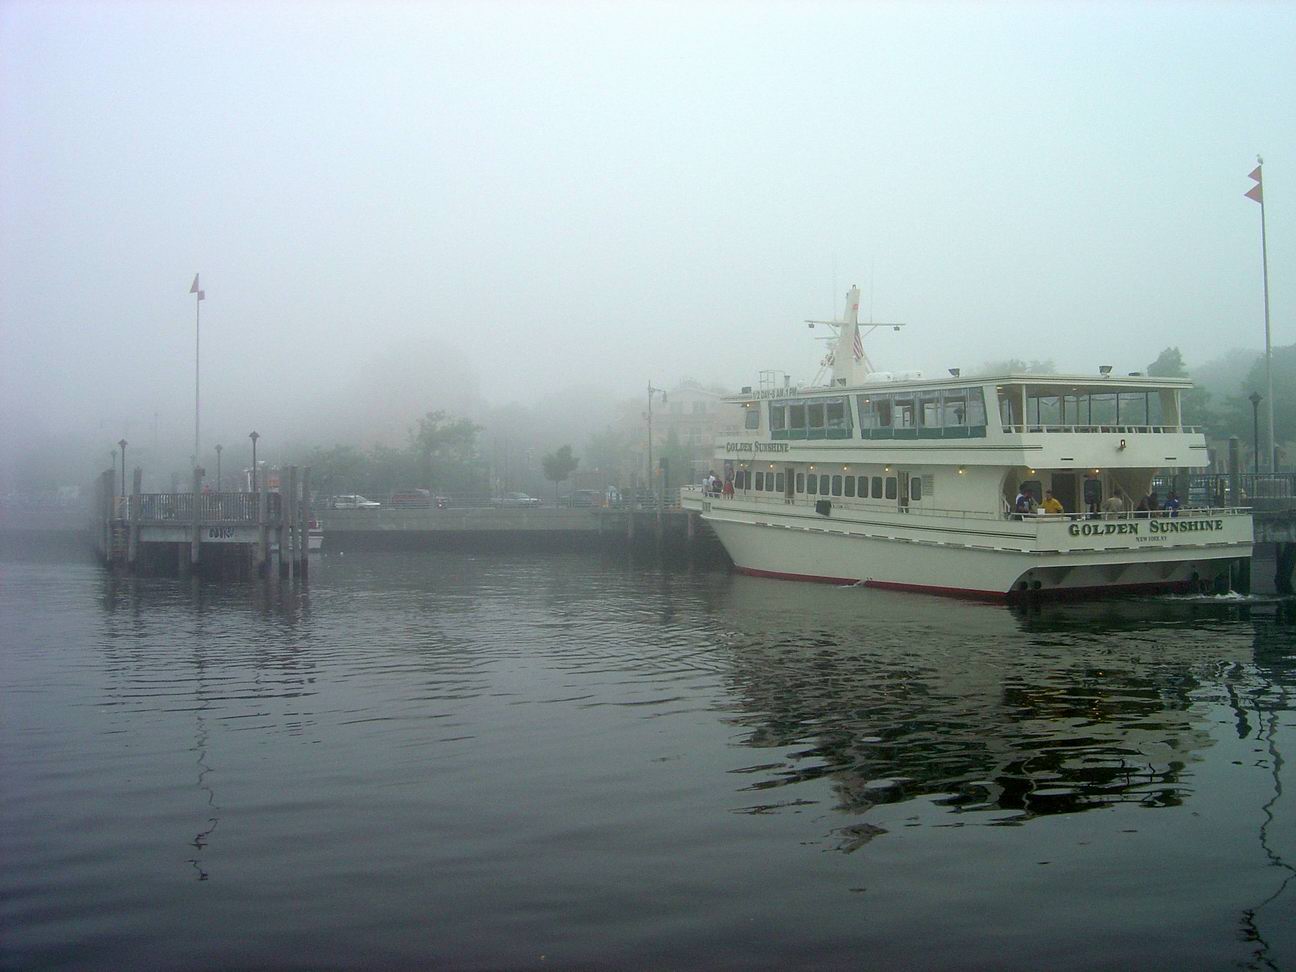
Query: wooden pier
point(182, 533)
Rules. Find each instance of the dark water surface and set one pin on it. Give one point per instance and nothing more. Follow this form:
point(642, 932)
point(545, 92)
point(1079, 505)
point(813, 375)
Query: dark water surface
point(527, 760)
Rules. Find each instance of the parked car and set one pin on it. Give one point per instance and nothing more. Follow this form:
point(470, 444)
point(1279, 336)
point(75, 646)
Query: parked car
point(411, 499)
point(353, 501)
point(583, 497)
point(515, 500)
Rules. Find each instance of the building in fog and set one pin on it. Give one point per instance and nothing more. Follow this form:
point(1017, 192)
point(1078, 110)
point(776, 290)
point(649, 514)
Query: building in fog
point(686, 426)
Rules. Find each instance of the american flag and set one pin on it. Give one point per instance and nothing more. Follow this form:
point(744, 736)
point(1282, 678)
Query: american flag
point(857, 345)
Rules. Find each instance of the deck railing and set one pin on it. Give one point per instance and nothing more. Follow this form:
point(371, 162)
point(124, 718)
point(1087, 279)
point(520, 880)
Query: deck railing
point(1110, 429)
point(212, 507)
point(777, 501)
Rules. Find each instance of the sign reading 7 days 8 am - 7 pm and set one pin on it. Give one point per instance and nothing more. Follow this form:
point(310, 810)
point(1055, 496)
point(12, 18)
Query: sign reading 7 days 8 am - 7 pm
point(1133, 528)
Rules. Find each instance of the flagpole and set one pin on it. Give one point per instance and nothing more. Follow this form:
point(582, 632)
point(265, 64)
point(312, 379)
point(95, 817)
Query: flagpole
point(197, 312)
point(198, 299)
point(1264, 259)
point(1256, 193)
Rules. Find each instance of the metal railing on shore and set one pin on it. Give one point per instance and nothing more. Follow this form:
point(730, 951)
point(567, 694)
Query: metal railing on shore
point(1214, 488)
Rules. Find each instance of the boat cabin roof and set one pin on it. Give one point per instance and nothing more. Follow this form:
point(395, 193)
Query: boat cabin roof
point(1045, 385)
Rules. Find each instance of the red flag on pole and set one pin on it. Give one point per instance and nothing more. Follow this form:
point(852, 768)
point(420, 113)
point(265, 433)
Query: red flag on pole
point(1256, 192)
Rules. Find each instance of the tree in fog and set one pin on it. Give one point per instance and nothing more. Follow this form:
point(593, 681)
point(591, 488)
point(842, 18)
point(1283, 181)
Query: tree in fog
point(1196, 401)
point(609, 452)
point(1016, 366)
point(447, 449)
point(1238, 418)
point(558, 466)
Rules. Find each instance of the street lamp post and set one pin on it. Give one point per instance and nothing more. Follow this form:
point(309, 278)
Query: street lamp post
point(122, 444)
point(218, 469)
point(651, 392)
point(199, 297)
point(1255, 398)
point(254, 436)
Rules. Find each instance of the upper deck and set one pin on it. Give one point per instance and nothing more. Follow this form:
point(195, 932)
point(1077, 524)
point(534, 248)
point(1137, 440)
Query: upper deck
point(1062, 420)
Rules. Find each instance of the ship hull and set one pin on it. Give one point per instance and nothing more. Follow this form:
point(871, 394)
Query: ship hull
point(992, 561)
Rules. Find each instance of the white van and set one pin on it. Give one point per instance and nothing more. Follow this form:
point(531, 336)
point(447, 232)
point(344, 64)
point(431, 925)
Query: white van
point(353, 501)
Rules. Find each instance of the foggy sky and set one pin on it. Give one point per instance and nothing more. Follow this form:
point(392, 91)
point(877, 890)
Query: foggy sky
point(406, 206)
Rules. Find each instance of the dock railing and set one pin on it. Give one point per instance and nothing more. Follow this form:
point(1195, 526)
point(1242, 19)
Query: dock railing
point(229, 507)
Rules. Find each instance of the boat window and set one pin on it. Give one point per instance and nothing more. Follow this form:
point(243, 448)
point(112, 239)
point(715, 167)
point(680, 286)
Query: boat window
point(815, 415)
point(929, 410)
point(778, 417)
point(915, 488)
point(1046, 409)
point(800, 482)
point(778, 482)
point(877, 487)
point(1101, 410)
point(744, 479)
point(890, 487)
point(904, 412)
point(796, 415)
point(836, 485)
point(752, 417)
point(1009, 405)
point(835, 413)
point(976, 413)
point(885, 412)
point(868, 413)
point(1134, 408)
point(848, 487)
point(1160, 406)
point(863, 488)
point(954, 407)
point(760, 480)
point(812, 484)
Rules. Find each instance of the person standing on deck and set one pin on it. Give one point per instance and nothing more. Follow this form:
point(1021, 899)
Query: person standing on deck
point(1052, 505)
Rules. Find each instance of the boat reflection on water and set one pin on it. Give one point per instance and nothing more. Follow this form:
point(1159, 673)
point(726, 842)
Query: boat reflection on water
point(980, 708)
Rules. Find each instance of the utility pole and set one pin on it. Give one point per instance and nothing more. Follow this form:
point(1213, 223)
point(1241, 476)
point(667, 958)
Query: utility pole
point(652, 482)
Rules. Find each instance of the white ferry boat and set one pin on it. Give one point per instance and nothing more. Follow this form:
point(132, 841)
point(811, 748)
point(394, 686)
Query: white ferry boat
point(899, 481)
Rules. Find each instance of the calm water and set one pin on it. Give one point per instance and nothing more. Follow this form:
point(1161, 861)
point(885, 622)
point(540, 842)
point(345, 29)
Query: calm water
point(545, 760)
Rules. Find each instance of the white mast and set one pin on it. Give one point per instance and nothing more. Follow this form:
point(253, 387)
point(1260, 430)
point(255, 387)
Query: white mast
point(847, 359)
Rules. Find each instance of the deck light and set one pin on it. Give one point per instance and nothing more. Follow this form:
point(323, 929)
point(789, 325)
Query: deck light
point(1122, 443)
point(954, 372)
point(1104, 370)
point(961, 470)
